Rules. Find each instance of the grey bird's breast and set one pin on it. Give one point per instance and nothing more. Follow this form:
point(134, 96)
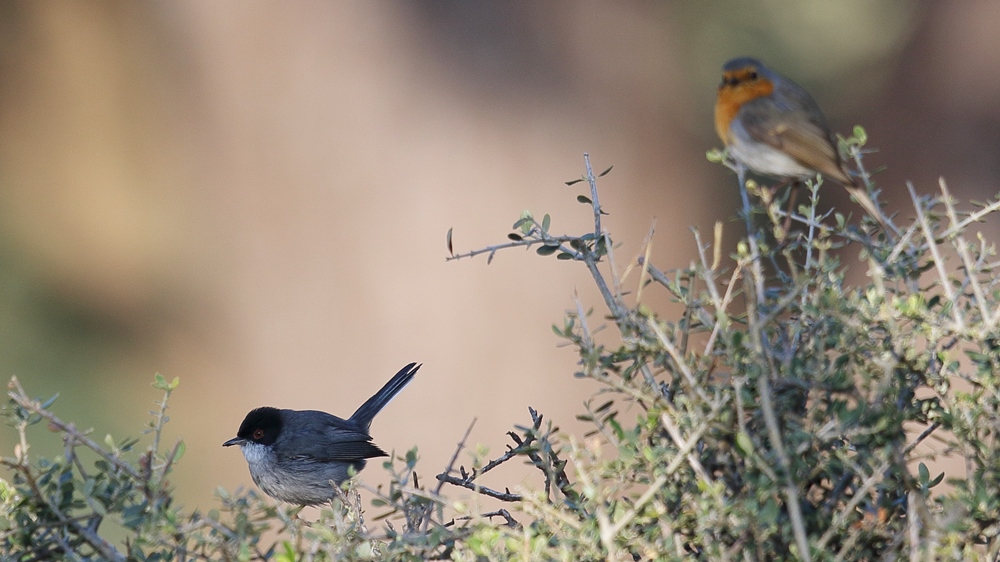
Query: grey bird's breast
point(295, 480)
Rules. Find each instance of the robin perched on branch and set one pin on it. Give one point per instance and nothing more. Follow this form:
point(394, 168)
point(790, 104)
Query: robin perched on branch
point(772, 126)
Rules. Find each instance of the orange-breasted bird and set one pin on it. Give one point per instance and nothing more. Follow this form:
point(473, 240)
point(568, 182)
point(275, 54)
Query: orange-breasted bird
point(772, 126)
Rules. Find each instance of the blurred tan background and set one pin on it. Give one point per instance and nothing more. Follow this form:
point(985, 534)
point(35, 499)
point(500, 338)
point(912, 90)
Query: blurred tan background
point(254, 196)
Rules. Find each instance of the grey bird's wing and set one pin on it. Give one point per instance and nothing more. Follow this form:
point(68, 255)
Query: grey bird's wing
point(323, 437)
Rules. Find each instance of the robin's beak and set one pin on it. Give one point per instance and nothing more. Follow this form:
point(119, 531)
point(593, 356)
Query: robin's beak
point(235, 441)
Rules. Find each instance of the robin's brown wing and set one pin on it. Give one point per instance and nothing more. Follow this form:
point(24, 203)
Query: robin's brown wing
point(800, 135)
point(804, 138)
point(809, 146)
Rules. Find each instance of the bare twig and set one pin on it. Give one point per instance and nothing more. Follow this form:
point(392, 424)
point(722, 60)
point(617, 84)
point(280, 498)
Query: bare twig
point(464, 483)
point(971, 218)
point(592, 180)
point(508, 518)
point(18, 395)
point(938, 259)
point(558, 241)
point(683, 445)
point(523, 447)
point(454, 457)
point(971, 270)
point(658, 276)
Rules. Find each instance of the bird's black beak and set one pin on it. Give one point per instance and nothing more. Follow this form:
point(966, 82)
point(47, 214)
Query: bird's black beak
point(234, 441)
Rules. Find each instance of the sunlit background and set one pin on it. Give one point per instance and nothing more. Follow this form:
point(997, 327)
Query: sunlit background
point(254, 196)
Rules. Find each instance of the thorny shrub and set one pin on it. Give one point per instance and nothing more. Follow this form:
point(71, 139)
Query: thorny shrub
point(784, 415)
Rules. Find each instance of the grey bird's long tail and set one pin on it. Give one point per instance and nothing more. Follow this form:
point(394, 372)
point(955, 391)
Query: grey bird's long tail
point(364, 415)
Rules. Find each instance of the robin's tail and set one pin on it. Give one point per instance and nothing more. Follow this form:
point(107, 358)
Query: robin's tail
point(860, 194)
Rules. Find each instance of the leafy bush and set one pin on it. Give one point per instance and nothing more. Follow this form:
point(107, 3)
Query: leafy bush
point(784, 415)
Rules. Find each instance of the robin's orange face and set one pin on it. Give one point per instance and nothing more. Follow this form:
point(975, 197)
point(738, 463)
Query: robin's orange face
point(738, 87)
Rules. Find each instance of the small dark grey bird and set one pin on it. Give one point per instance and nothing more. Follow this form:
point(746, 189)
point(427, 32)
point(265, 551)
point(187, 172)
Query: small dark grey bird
point(294, 455)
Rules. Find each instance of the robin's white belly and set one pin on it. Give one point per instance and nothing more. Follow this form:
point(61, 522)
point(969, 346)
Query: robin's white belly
point(762, 158)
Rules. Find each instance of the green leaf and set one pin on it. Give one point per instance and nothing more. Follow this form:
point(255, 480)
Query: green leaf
point(287, 553)
point(936, 480)
point(616, 428)
point(601, 248)
point(527, 221)
point(47, 403)
point(451, 250)
point(98, 508)
point(769, 512)
point(861, 135)
point(546, 220)
point(520, 223)
point(160, 383)
point(584, 199)
point(179, 451)
point(744, 444)
point(515, 237)
point(547, 250)
point(604, 406)
point(133, 516)
point(605, 172)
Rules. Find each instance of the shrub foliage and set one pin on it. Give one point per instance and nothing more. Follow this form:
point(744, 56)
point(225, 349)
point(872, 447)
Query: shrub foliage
point(785, 414)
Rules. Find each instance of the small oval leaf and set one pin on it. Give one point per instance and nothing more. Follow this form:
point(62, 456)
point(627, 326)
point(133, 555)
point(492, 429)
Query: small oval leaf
point(860, 134)
point(744, 443)
point(179, 451)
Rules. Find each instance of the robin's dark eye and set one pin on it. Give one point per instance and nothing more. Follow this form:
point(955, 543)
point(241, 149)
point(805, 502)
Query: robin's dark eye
point(258, 433)
point(753, 75)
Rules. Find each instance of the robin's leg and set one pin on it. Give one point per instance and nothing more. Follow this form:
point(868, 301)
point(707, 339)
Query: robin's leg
point(741, 175)
point(781, 184)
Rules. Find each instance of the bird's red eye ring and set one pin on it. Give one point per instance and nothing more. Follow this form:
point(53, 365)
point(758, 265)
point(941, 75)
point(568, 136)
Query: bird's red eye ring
point(258, 433)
